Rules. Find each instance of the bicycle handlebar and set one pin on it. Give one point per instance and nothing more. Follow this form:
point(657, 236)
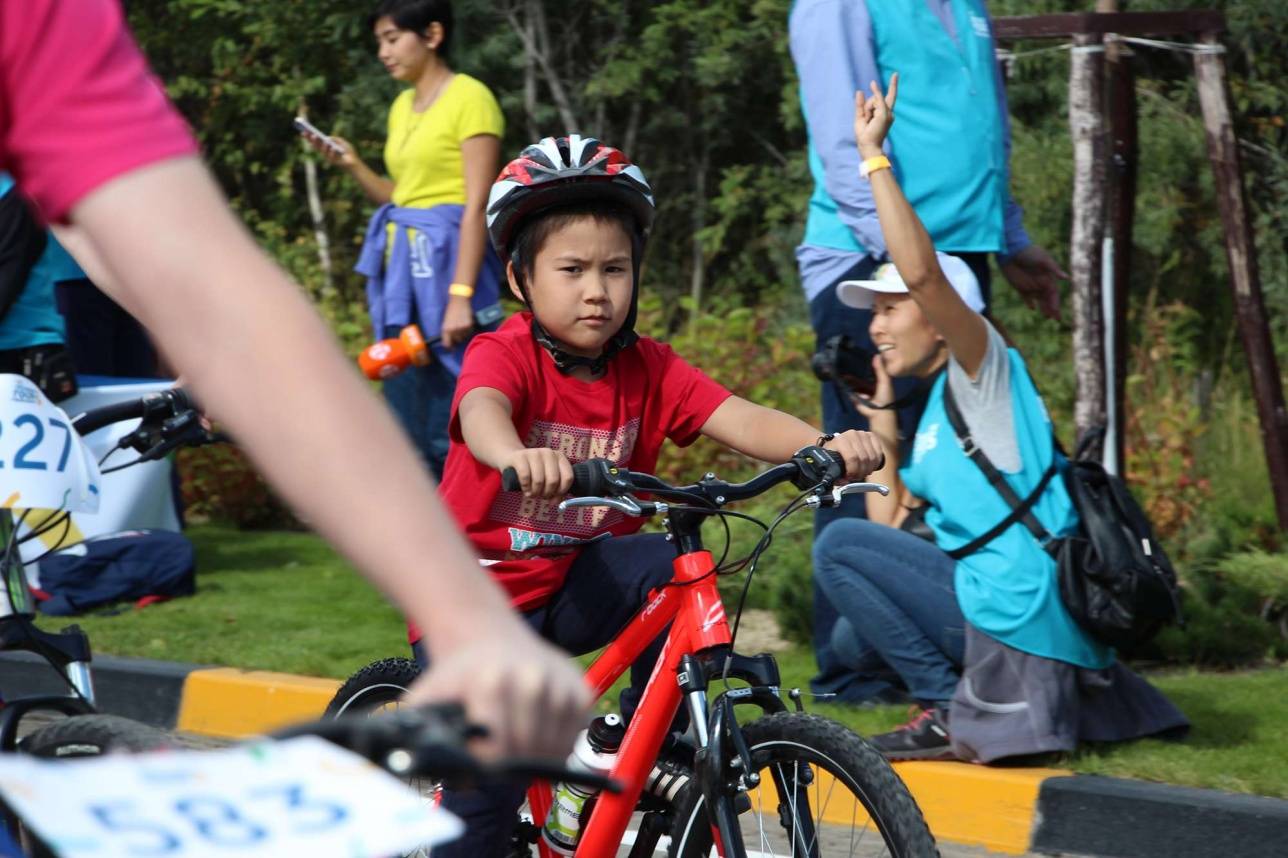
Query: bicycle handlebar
point(165, 403)
point(812, 468)
point(430, 741)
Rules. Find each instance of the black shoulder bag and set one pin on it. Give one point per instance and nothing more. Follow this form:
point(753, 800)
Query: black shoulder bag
point(1115, 580)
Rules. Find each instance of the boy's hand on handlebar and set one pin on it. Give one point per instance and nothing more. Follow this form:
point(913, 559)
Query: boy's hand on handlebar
point(861, 451)
point(542, 472)
point(525, 692)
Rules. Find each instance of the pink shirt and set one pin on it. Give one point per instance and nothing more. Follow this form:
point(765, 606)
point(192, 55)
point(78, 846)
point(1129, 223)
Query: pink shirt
point(78, 104)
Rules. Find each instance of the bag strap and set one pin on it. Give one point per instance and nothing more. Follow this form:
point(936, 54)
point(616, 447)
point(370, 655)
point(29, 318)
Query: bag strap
point(1021, 510)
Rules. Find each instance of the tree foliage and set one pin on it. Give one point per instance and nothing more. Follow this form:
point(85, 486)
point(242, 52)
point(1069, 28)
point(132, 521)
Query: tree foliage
point(702, 93)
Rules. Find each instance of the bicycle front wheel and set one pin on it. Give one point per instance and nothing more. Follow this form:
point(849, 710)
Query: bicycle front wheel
point(378, 687)
point(86, 736)
point(823, 791)
point(92, 735)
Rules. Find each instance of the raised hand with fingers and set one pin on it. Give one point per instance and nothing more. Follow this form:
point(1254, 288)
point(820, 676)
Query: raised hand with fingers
point(873, 116)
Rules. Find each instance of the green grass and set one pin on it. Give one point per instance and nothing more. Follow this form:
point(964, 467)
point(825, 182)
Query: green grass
point(285, 601)
point(265, 600)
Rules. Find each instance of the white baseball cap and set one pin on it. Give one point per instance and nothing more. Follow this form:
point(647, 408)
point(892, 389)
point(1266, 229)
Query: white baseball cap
point(860, 293)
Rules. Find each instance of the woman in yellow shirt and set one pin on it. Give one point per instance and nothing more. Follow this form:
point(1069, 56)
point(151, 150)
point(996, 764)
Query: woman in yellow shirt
point(426, 257)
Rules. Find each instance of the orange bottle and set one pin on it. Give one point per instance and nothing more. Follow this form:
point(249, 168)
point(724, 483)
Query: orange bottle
point(387, 358)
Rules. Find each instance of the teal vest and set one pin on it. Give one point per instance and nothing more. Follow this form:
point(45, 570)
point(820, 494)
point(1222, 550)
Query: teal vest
point(947, 141)
point(33, 318)
point(1008, 588)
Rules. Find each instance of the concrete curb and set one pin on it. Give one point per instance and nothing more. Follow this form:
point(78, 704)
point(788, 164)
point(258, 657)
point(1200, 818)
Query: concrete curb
point(1005, 810)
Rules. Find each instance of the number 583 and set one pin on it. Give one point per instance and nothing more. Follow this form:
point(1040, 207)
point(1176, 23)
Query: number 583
point(216, 820)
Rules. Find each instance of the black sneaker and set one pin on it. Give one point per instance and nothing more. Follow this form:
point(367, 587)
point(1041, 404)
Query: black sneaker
point(925, 737)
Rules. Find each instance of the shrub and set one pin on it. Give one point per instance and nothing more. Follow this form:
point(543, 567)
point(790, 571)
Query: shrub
point(1236, 612)
point(218, 483)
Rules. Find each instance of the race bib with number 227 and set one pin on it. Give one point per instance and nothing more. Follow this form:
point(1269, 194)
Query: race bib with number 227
point(43, 462)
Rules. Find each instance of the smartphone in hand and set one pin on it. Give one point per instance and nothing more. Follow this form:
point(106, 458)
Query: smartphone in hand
point(308, 129)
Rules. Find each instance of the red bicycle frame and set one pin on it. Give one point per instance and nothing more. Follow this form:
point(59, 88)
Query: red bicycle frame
point(693, 602)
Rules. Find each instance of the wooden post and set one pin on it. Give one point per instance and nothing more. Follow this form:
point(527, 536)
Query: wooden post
point(1214, 100)
point(1120, 106)
point(1086, 126)
point(1120, 87)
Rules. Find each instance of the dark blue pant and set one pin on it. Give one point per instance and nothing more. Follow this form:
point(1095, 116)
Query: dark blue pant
point(895, 596)
point(830, 317)
point(421, 398)
point(607, 585)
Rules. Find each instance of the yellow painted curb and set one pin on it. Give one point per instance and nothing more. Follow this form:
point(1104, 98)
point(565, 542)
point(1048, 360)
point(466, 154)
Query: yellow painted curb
point(962, 803)
point(978, 805)
point(230, 703)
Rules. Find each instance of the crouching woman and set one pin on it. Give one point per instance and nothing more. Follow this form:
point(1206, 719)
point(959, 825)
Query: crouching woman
point(983, 643)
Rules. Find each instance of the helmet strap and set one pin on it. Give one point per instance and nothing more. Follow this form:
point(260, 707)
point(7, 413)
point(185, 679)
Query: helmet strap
point(566, 361)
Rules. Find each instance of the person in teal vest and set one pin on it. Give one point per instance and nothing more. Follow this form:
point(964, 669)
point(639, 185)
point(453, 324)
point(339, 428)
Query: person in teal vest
point(33, 337)
point(905, 596)
point(951, 152)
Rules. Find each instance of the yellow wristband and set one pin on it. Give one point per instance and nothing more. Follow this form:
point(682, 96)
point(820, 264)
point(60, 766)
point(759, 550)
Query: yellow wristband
point(461, 290)
point(871, 165)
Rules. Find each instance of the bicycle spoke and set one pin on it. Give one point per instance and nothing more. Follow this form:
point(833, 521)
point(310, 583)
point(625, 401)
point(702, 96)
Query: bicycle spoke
point(793, 815)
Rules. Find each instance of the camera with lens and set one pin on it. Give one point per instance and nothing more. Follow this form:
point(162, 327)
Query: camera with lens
point(844, 362)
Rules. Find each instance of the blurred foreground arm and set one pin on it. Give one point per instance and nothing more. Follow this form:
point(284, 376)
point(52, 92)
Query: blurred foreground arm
point(260, 358)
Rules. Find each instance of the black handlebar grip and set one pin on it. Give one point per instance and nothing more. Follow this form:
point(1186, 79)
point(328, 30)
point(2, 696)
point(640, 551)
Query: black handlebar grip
point(97, 418)
point(510, 480)
point(587, 480)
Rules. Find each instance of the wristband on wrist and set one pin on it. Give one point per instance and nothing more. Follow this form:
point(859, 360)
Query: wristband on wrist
point(871, 165)
point(824, 438)
point(461, 290)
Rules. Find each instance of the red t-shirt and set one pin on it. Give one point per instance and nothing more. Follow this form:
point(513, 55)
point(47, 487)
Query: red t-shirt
point(78, 105)
point(648, 394)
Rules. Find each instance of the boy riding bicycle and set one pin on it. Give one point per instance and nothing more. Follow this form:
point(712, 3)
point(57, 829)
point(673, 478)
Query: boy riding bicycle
point(568, 380)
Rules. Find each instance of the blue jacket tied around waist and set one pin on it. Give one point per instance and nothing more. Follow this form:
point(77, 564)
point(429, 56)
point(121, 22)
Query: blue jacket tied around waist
point(408, 282)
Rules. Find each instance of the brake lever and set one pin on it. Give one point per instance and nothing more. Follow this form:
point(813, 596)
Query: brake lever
point(838, 492)
point(627, 505)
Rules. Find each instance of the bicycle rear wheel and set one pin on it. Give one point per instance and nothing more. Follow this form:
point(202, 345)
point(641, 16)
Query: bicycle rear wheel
point(824, 792)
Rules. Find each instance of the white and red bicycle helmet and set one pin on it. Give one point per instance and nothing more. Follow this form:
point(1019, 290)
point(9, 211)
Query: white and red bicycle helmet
point(565, 171)
point(560, 171)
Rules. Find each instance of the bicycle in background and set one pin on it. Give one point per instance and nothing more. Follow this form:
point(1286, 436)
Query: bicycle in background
point(45, 465)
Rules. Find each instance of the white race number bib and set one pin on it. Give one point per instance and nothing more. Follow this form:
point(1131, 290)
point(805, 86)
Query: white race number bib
point(302, 796)
point(43, 462)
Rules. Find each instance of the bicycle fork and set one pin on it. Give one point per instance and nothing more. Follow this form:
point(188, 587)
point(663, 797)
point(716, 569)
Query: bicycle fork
point(716, 730)
point(723, 767)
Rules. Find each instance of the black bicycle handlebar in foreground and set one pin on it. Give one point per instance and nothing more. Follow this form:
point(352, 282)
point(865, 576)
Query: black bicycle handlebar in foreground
point(170, 419)
point(812, 468)
point(430, 741)
point(160, 405)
